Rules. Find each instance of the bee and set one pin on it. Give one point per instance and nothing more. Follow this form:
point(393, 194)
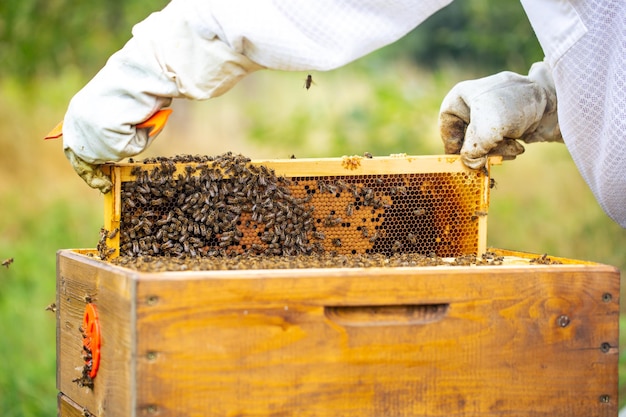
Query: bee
point(88, 298)
point(308, 81)
point(368, 155)
point(492, 183)
point(332, 221)
point(52, 307)
point(418, 212)
point(319, 235)
point(337, 242)
point(141, 199)
point(477, 214)
point(412, 239)
point(349, 209)
point(7, 262)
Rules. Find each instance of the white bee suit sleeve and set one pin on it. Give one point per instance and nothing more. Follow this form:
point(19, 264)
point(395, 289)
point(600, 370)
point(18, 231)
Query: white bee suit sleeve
point(585, 44)
point(199, 49)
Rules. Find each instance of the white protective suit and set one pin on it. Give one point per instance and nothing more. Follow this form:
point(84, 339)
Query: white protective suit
point(200, 48)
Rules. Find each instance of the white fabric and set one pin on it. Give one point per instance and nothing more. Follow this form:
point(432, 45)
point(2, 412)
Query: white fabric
point(199, 49)
point(590, 79)
point(305, 34)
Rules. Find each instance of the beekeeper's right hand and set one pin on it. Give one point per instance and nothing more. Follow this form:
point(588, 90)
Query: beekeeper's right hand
point(169, 56)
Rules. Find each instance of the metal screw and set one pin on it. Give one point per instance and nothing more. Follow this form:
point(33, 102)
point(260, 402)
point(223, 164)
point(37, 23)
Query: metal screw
point(605, 347)
point(152, 300)
point(151, 356)
point(607, 297)
point(563, 321)
point(605, 398)
point(151, 409)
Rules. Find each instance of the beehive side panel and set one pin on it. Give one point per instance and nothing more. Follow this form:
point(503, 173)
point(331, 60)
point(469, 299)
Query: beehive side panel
point(68, 408)
point(266, 343)
point(81, 279)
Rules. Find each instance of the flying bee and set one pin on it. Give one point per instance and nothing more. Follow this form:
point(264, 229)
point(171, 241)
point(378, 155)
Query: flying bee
point(308, 81)
point(7, 262)
point(492, 183)
point(368, 155)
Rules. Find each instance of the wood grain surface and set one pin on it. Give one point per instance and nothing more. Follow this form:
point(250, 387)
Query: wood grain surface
point(522, 340)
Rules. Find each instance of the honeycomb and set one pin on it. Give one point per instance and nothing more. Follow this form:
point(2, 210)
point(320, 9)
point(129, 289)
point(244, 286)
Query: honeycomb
point(228, 205)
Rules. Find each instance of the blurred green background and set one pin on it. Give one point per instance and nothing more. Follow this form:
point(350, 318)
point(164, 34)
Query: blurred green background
point(384, 103)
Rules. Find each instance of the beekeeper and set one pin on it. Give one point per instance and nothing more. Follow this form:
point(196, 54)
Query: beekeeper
point(199, 49)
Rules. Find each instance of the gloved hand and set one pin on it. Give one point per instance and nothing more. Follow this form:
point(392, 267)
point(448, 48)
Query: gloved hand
point(485, 117)
point(90, 173)
point(170, 55)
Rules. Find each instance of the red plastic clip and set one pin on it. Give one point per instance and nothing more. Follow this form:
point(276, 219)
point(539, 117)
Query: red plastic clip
point(91, 339)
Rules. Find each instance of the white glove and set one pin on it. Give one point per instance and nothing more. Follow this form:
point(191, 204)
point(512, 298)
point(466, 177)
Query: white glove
point(485, 116)
point(169, 56)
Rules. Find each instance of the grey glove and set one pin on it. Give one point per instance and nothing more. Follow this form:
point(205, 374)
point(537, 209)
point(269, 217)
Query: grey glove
point(487, 116)
point(90, 173)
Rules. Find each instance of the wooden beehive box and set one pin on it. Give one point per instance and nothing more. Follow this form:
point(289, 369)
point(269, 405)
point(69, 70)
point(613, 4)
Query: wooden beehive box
point(519, 339)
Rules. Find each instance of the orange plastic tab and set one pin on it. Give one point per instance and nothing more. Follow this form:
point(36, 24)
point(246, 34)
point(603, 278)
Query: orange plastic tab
point(156, 122)
point(91, 339)
point(55, 133)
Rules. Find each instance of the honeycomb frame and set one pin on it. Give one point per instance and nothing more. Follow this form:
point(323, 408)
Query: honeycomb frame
point(432, 205)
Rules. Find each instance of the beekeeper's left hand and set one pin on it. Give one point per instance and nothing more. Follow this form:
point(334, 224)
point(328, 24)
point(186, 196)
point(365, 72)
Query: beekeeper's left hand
point(487, 116)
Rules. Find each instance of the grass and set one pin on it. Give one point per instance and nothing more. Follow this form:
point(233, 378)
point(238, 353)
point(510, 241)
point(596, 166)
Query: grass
point(540, 204)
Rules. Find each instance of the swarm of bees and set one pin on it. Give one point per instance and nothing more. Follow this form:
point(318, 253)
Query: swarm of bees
point(85, 380)
point(324, 260)
point(203, 211)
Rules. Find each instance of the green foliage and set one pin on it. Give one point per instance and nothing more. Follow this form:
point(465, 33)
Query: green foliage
point(485, 35)
point(42, 37)
point(31, 235)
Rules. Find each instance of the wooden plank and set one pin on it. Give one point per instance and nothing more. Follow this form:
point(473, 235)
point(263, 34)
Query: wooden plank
point(347, 165)
point(68, 408)
point(111, 291)
point(260, 343)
